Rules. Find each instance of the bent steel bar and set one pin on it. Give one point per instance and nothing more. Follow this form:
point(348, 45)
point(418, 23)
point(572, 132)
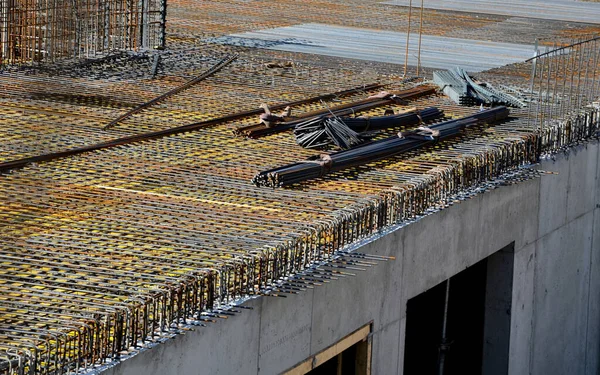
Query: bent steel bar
point(215, 69)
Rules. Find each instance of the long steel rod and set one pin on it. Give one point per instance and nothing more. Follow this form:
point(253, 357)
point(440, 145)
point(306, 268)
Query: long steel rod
point(213, 70)
point(444, 340)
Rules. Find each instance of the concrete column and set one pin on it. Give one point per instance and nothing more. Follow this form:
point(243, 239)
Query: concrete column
point(498, 302)
point(522, 310)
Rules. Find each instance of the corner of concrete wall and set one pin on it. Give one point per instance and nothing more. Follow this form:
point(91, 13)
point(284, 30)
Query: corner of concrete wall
point(564, 310)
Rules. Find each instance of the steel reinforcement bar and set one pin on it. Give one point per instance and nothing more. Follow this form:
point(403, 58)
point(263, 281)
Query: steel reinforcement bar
point(70, 310)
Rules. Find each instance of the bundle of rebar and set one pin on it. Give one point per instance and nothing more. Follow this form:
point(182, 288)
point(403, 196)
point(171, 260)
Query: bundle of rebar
point(463, 90)
point(346, 132)
point(328, 163)
point(259, 130)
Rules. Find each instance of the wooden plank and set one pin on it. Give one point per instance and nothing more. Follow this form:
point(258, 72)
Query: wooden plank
point(332, 351)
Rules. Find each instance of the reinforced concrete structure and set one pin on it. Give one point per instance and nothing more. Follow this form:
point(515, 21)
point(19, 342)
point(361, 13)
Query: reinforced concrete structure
point(143, 247)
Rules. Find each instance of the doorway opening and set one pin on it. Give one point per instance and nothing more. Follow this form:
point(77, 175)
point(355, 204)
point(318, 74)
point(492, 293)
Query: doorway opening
point(462, 325)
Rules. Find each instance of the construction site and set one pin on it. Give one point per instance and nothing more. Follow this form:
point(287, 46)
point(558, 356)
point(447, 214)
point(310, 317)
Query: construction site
point(299, 187)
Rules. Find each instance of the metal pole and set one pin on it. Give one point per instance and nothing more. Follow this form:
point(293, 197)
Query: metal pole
point(533, 72)
point(407, 38)
point(444, 345)
point(420, 37)
point(163, 24)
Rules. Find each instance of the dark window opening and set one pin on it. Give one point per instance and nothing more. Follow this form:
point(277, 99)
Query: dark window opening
point(477, 330)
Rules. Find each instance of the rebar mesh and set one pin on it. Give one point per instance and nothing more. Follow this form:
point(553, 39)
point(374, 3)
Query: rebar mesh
point(107, 251)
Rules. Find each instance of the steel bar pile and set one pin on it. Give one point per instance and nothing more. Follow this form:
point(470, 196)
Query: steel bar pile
point(345, 132)
point(46, 30)
point(461, 88)
point(256, 131)
point(303, 171)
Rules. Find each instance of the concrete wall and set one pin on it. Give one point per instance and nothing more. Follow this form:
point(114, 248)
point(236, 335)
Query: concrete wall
point(555, 322)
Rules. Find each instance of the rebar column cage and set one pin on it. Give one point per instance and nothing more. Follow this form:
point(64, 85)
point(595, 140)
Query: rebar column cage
point(47, 30)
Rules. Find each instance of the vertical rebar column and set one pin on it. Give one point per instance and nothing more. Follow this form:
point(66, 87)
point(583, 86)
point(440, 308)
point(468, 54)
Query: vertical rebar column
point(592, 95)
point(162, 32)
point(556, 57)
point(76, 27)
point(106, 25)
point(143, 25)
point(539, 107)
point(3, 30)
point(532, 83)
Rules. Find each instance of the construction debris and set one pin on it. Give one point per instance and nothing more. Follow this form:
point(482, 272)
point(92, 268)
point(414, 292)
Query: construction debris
point(269, 119)
point(462, 89)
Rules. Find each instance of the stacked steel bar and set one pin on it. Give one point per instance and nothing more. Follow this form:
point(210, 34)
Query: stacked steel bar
point(342, 131)
point(308, 170)
point(460, 87)
point(46, 30)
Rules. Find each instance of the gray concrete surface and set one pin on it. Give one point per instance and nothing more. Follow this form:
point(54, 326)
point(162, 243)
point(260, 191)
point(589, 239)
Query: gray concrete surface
point(560, 301)
point(560, 10)
point(383, 46)
point(592, 359)
point(522, 310)
point(554, 222)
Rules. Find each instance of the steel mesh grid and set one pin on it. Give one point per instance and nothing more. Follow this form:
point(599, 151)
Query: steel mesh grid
point(154, 235)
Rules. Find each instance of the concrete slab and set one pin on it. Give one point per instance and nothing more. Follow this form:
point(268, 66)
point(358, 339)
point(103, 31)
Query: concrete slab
point(553, 195)
point(377, 291)
point(562, 10)
point(593, 326)
point(582, 180)
point(385, 349)
point(285, 331)
point(195, 353)
point(383, 46)
point(561, 298)
point(522, 311)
